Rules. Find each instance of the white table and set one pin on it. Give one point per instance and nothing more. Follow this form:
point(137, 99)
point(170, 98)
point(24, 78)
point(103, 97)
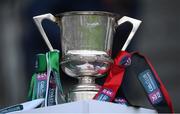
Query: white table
point(90, 106)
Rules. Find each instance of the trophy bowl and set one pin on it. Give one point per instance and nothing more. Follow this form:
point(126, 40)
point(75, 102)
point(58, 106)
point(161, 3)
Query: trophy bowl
point(86, 42)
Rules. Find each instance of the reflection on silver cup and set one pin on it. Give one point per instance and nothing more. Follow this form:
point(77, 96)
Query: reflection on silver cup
point(86, 63)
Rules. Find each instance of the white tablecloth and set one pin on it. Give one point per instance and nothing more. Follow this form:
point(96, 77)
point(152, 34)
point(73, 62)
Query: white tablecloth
point(90, 106)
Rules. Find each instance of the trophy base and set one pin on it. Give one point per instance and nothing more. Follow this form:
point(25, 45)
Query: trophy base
point(85, 90)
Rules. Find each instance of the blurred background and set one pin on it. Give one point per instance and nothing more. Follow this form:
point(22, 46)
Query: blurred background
point(20, 41)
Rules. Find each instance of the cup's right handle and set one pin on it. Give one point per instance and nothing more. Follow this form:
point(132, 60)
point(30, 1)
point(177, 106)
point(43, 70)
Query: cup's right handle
point(135, 24)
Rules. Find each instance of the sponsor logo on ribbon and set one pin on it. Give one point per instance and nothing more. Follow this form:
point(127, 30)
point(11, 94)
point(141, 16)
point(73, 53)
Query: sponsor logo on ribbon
point(105, 95)
point(126, 61)
point(147, 80)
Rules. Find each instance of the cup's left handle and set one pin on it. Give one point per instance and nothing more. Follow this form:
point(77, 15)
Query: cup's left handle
point(38, 21)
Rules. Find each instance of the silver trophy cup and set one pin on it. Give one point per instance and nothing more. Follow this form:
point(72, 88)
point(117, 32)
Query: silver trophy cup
point(86, 43)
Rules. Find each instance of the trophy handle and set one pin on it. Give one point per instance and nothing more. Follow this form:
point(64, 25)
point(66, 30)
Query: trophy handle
point(38, 21)
point(135, 24)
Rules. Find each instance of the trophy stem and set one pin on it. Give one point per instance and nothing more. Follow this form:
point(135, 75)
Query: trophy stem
point(85, 89)
point(86, 80)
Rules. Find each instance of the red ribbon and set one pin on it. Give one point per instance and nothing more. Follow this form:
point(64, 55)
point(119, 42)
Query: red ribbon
point(115, 76)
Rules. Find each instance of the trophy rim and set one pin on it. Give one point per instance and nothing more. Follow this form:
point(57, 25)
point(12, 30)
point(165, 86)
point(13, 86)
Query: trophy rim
point(101, 13)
